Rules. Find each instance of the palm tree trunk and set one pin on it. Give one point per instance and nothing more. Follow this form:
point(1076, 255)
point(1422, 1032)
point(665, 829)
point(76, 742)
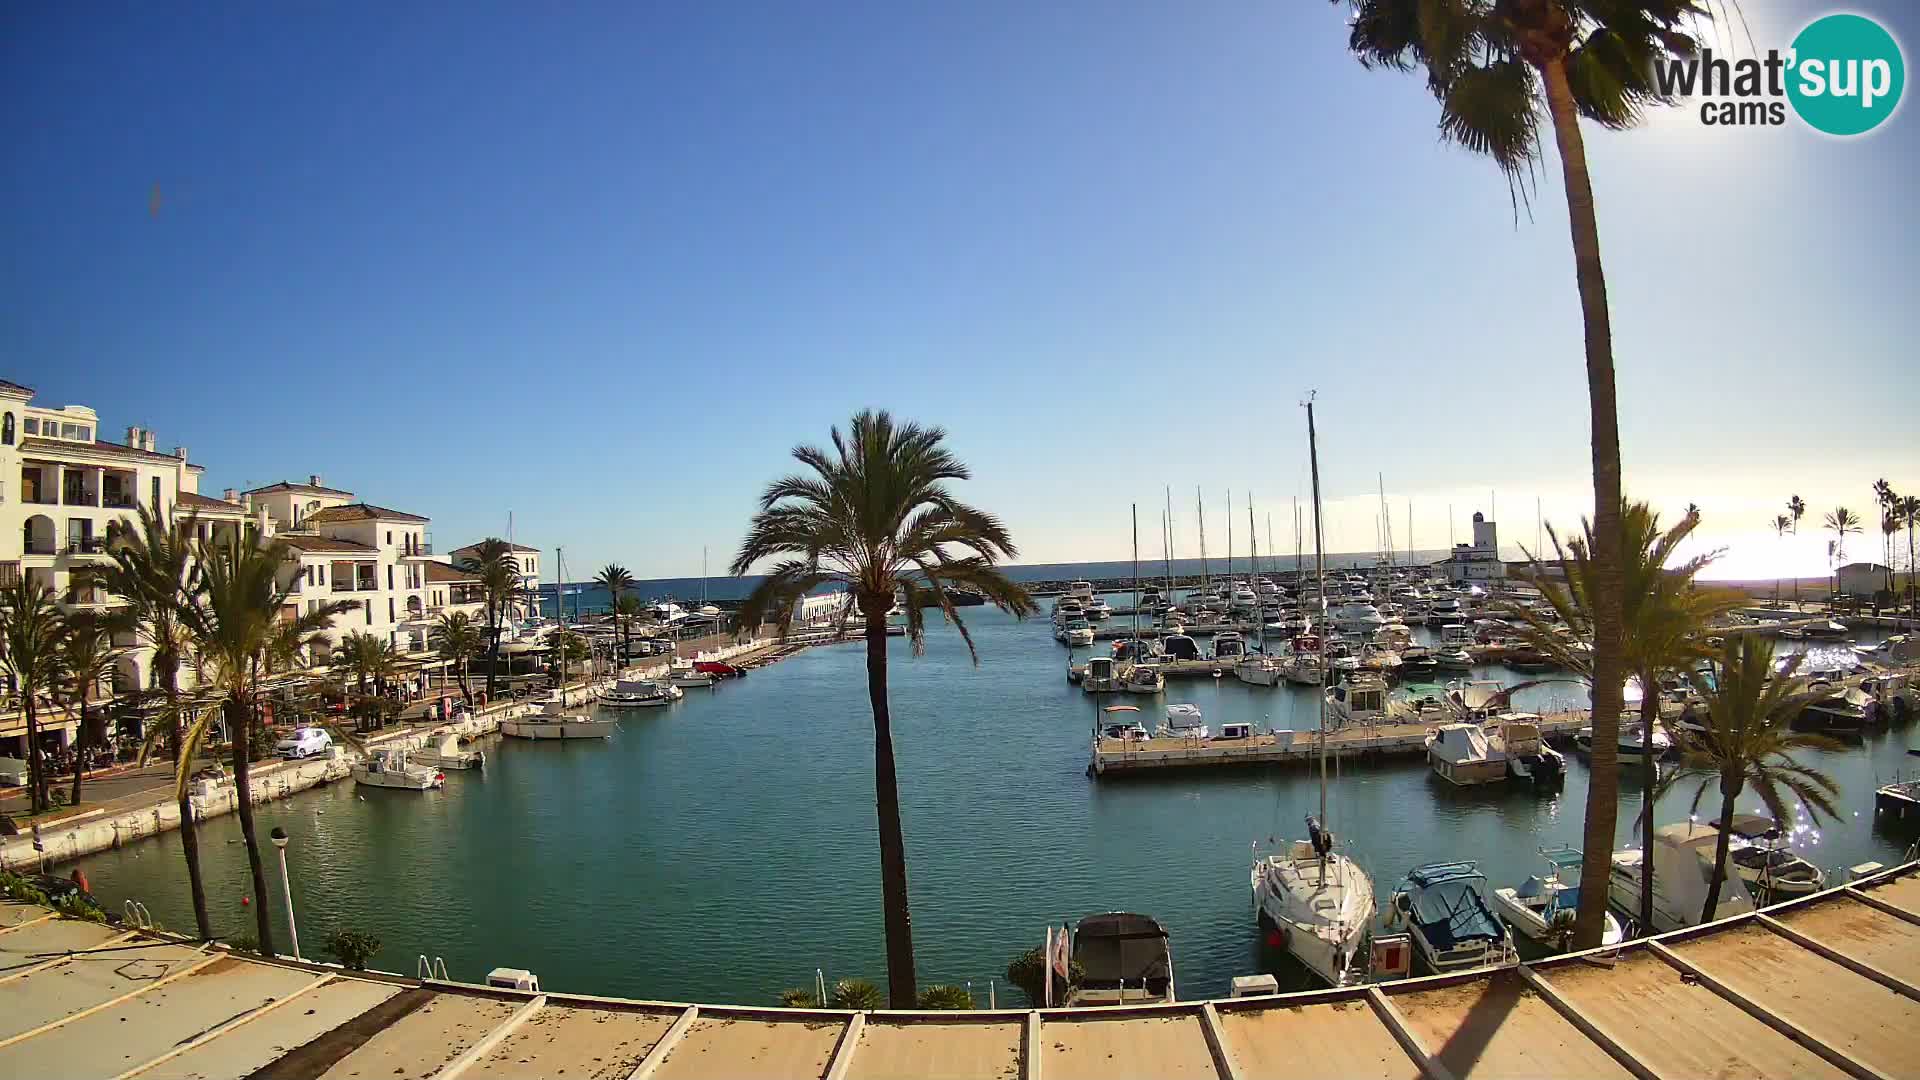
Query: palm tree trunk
point(886, 792)
point(240, 719)
point(466, 690)
point(80, 743)
point(1609, 669)
point(189, 828)
point(493, 652)
point(1729, 792)
point(36, 772)
point(1649, 776)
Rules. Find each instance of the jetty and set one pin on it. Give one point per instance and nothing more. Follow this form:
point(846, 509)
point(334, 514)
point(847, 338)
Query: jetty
point(1123, 757)
point(1826, 985)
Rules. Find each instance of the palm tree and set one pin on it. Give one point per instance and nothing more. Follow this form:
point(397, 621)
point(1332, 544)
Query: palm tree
point(494, 564)
point(235, 620)
point(1909, 510)
point(31, 628)
point(88, 659)
point(1781, 523)
point(1490, 63)
point(1797, 507)
point(1667, 620)
point(1887, 499)
point(615, 579)
point(153, 573)
point(875, 517)
point(625, 611)
point(368, 659)
point(459, 639)
point(1889, 533)
point(1750, 742)
point(1842, 523)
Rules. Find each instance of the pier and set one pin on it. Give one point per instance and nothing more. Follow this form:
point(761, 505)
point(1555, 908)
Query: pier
point(1828, 984)
point(1126, 756)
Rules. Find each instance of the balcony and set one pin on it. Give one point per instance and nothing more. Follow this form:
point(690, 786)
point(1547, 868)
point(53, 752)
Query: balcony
point(114, 500)
point(39, 498)
point(421, 550)
point(87, 545)
point(40, 547)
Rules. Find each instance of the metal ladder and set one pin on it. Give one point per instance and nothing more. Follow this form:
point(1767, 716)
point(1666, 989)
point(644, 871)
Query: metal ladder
point(137, 915)
point(432, 969)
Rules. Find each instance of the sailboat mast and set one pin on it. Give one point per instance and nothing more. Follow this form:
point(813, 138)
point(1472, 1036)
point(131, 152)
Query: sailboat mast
point(1320, 580)
point(1200, 508)
point(1166, 522)
point(1136, 583)
point(1253, 558)
point(1229, 547)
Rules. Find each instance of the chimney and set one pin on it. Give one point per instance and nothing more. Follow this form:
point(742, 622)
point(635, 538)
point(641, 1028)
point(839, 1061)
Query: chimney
point(180, 452)
point(232, 495)
point(134, 435)
point(146, 440)
point(313, 480)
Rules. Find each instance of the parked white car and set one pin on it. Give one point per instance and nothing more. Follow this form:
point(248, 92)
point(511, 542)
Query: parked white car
point(304, 742)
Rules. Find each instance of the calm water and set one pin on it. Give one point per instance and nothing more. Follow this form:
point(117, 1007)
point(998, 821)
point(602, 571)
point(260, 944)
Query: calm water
point(723, 848)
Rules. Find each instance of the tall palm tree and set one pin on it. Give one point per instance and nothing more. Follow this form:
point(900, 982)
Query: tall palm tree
point(1842, 523)
point(153, 572)
point(1781, 523)
point(625, 611)
point(235, 620)
point(1887, 499)
point(458, 639)
point(1750, 742)
point(875, 517)
point(1667, 621)
point(88, 659)
point(1797, 508)
point(493, 563)
point(1889, 536)
point(370, 660)
point(1492, 64)
point(1909, 510)
point(31, 629)
point(614, 578)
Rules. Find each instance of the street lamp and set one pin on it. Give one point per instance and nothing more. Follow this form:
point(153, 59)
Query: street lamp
point(279, 837)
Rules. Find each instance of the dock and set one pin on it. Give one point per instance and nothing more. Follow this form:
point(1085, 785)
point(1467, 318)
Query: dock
point(1826, 985)
point(1120, 757)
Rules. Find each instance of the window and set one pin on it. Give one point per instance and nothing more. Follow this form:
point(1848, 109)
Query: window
point(321, 569)
point(389, 536)
point(33, 426)
point(86, 434)
point(6, 430)
point(156, 495)
point(389, 573)
point(390, 617)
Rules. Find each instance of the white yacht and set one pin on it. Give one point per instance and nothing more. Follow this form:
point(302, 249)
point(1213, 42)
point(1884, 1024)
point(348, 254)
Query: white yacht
point(1770, 869)
point(1229, 645)
point(389, 768)
point(1360, 618)
point(1184, 721)
point(1529, 757)
point(1080, 590)
point(1098, 608)
point(1445, 908)
point(1144, 678)
point(683, 673)
point(1682, 863)
point(1100, 676)
point(1243, 598)
point(641, 694)
point(1464, 755)
point(1361, 700)
point(1632, 746)
point(1075, 633)
point(1259, 669)
point(450, 754)
point(1317, 904)
point(554, 722)
point(1544, 906)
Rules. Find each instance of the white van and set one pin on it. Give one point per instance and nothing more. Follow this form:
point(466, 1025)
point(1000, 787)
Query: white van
point(304, 742)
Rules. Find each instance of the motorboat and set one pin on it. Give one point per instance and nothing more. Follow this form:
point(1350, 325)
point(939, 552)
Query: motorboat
point(1394, 636)
point(1068, 607)
point(1446, 910)
point(1080, 590)
point(1530, 660)
point(1417, 662)
point(1179, 647)
point(1317, 904)
point(684, 673)
point(1098, 608)
point(389, 768)
point(1443, 611)
point(1100, 676)
point(642, 694)
point(1846, 709)
point(1243, 598)
point(1632, 744)
point(1360, 700)
point(1543, 908)
point(1682, 868)
point(1229, 645)
point(1259, 669)
point(1076, 634)
point(1826, 628)
point(1304, 669)
point(1771, 871)
point(1144, 678)
point(1472, 701)
point(1184, 721)
point(1379, 658)
point(554, 722)
point(1124, 959)
point(1452, 658)
point(1529, 758)
point(1357, 618)
point(1465, 755)
point(450, 754)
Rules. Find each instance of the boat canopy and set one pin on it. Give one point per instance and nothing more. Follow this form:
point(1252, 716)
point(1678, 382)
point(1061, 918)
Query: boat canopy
point(1447, 904)
point(1121, 949)
point(1460, 743)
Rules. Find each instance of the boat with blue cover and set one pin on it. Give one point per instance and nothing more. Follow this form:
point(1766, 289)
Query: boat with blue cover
point(1445, 908)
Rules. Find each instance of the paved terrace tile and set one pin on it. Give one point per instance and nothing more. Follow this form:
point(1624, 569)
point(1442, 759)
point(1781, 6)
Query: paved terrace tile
point(937, 1049)
point(240, 1051)
point(1309, 1042)
point(1496, 1027)
point(1860, 932)
point(1100, 1049)
point(721, 1045)
point(421, 1042)
point(87, 980)
point(569, 1043)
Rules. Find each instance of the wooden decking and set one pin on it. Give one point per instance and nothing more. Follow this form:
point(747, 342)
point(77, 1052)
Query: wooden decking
point(1819, 987)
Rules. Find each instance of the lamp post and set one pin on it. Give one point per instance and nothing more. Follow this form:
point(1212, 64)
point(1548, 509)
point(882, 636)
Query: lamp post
point(279, 837)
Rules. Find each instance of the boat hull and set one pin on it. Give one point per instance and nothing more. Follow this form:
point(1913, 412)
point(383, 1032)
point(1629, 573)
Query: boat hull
point(557, 729)
point(410, 780)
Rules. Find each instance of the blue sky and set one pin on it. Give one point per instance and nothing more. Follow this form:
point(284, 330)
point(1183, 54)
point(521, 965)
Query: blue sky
point(603, 268)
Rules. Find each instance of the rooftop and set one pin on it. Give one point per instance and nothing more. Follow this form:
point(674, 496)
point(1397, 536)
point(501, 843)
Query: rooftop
point(358, 512)
point(303, 489)
point(1828, 985)
point(310, 542)
point(194, 501)
point(15, 388)
point(510, 547)
point(34, 443)
point(442, 572)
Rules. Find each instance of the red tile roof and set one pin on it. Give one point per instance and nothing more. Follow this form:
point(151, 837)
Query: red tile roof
point(358, 512)
point(309, 542)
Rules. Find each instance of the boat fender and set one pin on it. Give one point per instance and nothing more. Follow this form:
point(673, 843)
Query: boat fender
point(1277, 936)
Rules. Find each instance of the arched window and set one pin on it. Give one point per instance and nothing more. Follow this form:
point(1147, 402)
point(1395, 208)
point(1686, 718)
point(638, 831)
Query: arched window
point(6, 430)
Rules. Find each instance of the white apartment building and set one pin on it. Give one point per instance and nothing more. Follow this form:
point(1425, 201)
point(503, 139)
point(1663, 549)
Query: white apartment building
point(529, 561)
point(343, 550)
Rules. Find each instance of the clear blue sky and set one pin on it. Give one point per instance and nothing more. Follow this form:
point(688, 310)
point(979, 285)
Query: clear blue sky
point(603, 267)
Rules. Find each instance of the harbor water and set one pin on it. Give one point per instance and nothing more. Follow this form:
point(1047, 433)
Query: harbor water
point(724, 848)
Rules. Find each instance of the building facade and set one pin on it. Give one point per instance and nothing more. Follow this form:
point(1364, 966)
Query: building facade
point(527, 558)
point(1480, 560)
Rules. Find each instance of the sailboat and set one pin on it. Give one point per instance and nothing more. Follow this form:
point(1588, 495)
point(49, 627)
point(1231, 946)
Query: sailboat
point(1309, 898)
point(1257, 668)
point(707, 611)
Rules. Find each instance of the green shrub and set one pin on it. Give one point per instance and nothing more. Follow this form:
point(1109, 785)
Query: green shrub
point(244, 943)
point(856, 994)
point(1028, 969)
point(352, 949)
point(797, 998)
point(79, 907)
point(946, 997)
